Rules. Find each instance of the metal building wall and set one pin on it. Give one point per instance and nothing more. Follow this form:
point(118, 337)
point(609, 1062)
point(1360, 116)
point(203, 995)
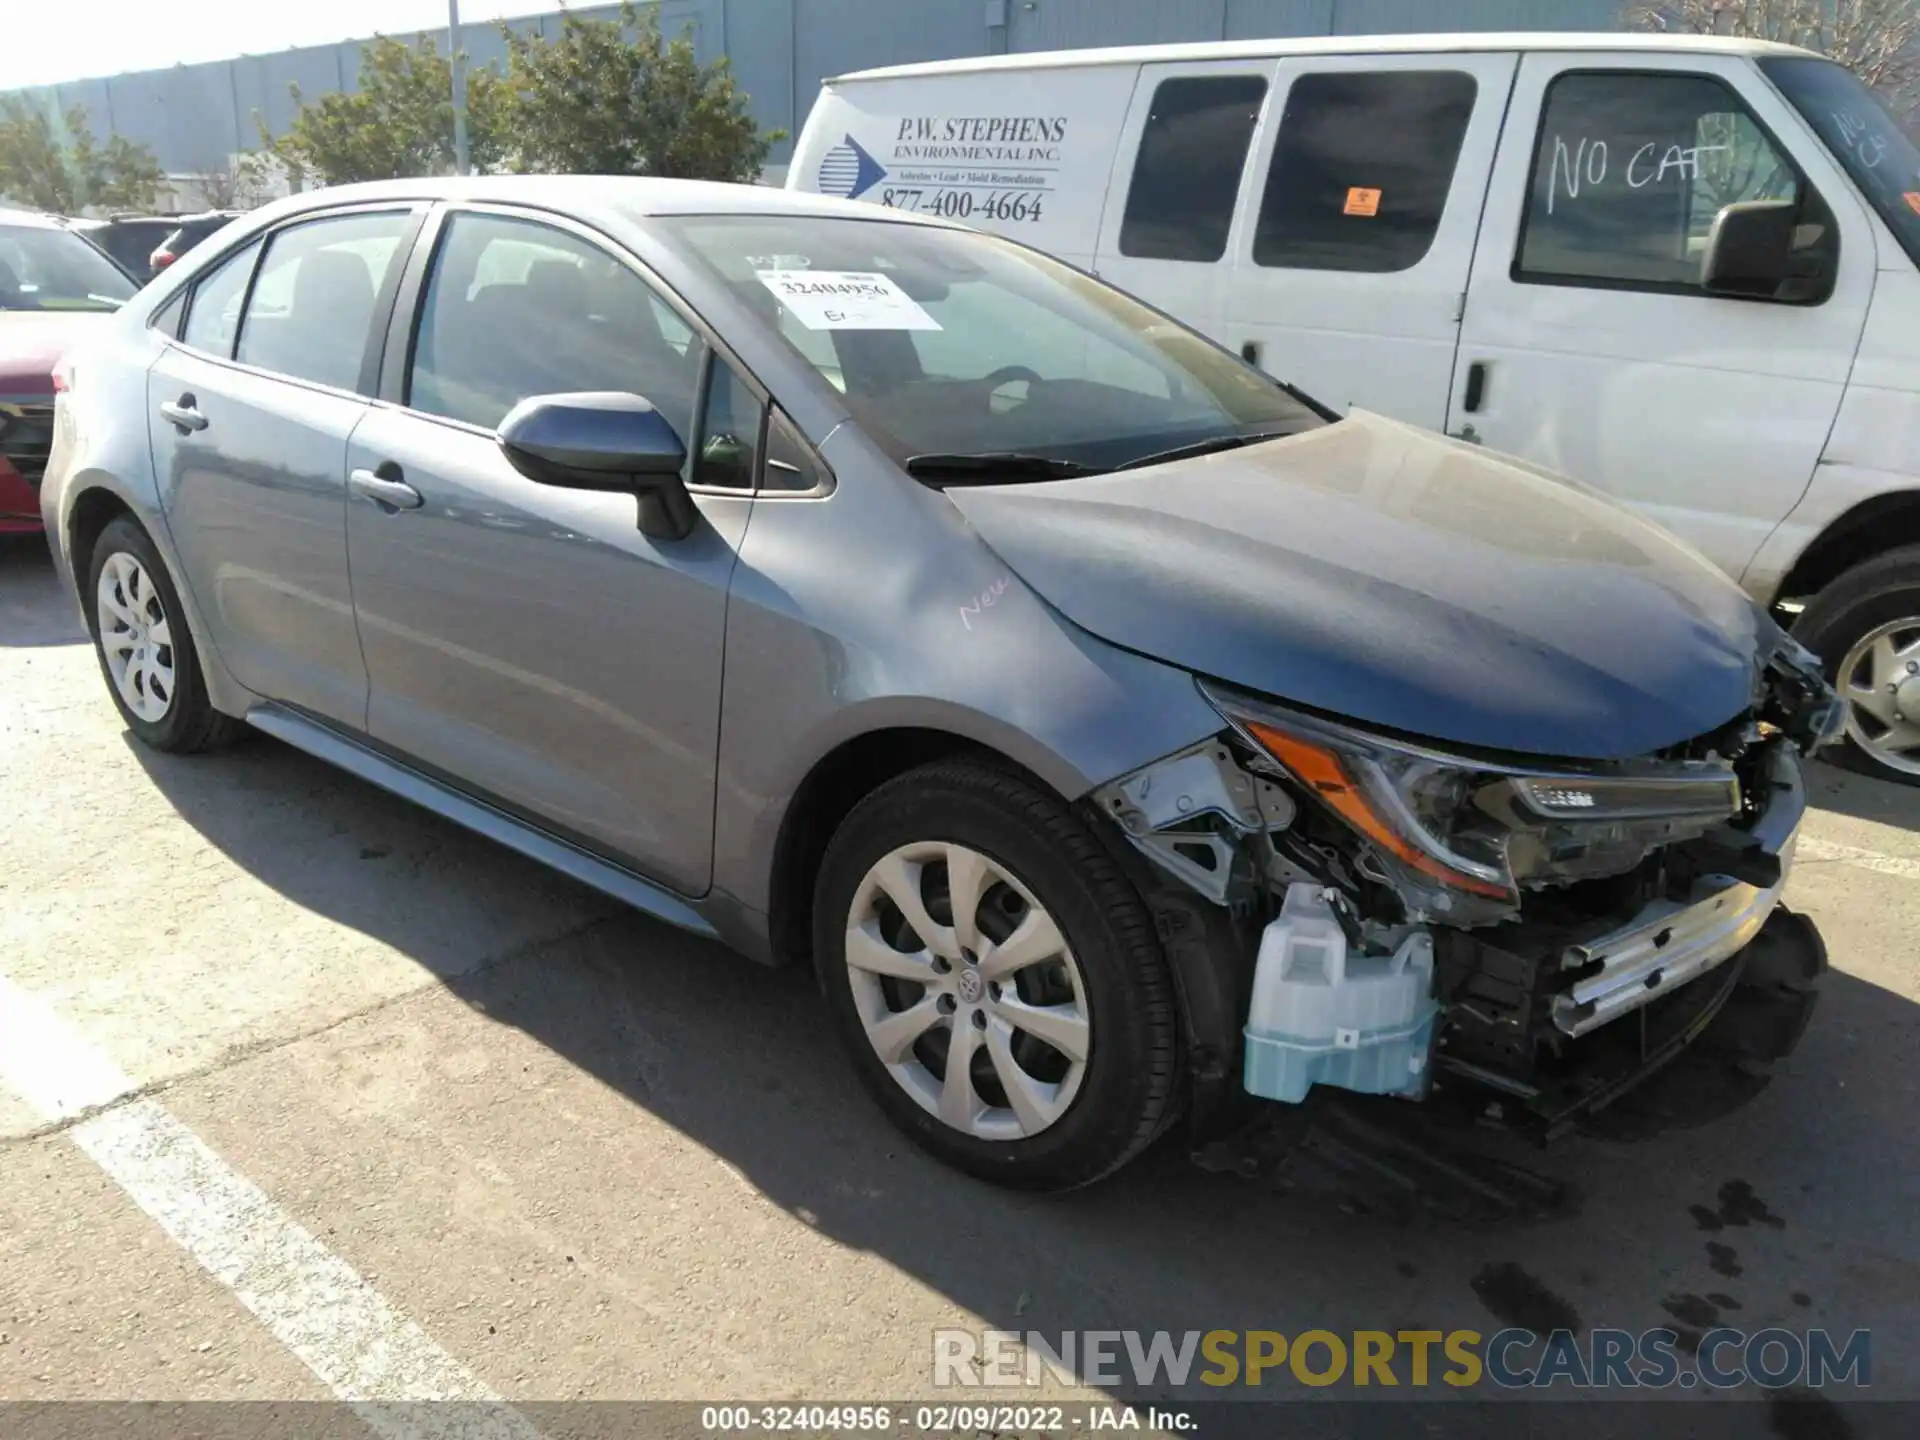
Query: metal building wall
point(196, 116)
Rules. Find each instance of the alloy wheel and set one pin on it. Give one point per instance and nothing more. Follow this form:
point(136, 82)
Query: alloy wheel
point(968, 991)
point(1880, 679)
point(136, 637)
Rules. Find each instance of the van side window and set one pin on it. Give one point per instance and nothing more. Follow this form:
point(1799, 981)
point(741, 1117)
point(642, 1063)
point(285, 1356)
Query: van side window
point(1361, 169)
point(1629, 171)
point(1187, 174)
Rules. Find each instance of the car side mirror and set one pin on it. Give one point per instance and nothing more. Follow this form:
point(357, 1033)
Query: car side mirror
point(604, 440)
point(1750, 249)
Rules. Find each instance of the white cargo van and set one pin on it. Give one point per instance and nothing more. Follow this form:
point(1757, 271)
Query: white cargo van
point(1681, 269)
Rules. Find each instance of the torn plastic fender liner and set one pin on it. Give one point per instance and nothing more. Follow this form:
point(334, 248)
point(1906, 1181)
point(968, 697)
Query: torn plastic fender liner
point(1189, 812)
point(1318, 1012)
point(1322, 1015)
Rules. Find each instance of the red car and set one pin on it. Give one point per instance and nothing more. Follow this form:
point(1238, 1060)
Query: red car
point(53, 287)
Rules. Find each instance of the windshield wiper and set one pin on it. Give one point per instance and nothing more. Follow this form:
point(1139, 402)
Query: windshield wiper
point(1206, 447)
point(990, 467)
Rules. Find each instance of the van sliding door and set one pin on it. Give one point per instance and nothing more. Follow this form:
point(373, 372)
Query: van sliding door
point(1178, 177)
point(1356, 234)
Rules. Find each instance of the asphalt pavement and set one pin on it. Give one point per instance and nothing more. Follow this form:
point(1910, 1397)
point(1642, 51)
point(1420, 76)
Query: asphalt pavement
point(307, 1093)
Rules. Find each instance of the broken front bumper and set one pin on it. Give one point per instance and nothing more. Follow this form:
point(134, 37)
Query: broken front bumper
point(1671, 942)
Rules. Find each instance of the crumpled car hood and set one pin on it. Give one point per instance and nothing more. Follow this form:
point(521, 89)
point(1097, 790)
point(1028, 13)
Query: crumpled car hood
point(1392, 576)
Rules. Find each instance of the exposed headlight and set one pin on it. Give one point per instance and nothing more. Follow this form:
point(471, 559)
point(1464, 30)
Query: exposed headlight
point(1459, 835)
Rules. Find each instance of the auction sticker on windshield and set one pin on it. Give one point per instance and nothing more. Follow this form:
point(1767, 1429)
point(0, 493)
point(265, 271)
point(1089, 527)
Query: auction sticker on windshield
point(846, 300)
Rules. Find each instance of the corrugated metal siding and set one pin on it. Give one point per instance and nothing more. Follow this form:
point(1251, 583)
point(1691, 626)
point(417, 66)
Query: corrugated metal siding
point(831, 37)
point(1064, 24)
point(1260, 19)
point(196, 116)
point(1406, 17)
point(1067, 24)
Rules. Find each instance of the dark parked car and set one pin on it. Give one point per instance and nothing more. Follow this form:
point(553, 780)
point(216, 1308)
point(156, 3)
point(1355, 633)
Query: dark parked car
point(144, 245)
point(129, 240)
point(1118, 732)
point(189, 233)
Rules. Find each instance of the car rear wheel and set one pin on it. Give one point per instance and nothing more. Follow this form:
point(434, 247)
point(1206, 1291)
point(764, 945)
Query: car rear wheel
point(1866, 629)
point(146, 652)
point(997, 978)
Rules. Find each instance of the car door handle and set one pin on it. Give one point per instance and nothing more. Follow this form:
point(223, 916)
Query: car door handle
point(183, 414)
point(386, 490)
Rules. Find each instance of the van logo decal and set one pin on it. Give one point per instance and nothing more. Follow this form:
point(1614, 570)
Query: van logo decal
point(848, 171)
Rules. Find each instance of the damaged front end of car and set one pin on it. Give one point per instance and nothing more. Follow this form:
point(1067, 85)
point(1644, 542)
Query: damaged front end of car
point(1536, 937)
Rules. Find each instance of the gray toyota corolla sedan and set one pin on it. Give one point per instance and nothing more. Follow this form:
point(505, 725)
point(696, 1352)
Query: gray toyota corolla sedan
point(1122, 735)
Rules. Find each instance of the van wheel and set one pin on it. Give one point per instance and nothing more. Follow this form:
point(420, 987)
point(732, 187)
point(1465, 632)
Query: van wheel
point(1865, 627)
point(996, 978)
point(140, 634)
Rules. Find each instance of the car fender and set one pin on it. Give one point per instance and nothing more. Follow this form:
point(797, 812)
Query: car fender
point(908, 621)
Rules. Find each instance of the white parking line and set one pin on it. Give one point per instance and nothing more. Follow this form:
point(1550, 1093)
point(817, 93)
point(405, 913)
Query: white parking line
point(1812, 849)
point(340, 1327)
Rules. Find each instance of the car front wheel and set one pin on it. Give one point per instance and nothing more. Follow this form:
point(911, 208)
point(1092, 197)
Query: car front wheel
point(1865, 627)
point(146, 652)
point(996, 978)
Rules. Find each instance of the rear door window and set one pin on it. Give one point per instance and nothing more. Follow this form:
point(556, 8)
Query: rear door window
point(213, 314)
point(311, 311)
point(1186, 177)
point(1361, 168)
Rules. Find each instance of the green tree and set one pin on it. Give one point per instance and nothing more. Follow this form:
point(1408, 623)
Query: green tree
point(596, 102)
point(71, 172)
point(398, 123)
point(1876, 39)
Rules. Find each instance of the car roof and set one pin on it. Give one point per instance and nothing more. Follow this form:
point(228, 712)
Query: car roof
point(1327, 45)
point(629, 196)
point(31, 219)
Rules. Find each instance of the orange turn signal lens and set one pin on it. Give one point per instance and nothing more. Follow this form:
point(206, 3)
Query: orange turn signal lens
point(1326, 774)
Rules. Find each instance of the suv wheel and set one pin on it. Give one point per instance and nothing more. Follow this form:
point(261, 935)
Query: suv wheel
point(997, 978)
point(1865, 626)
point(146, 652)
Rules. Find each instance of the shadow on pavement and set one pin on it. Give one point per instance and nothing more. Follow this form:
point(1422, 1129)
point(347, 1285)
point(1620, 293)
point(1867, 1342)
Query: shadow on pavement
point(1832, 787)
point(34, 610)
point(1796, 1211)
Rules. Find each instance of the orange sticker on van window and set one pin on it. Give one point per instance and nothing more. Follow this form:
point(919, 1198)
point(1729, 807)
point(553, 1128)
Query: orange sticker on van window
point(1912, 197)
point(1361, 201)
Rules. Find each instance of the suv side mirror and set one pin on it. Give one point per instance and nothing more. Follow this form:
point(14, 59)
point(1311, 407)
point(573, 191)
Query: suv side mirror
point(1750, 249)
point(604, 440)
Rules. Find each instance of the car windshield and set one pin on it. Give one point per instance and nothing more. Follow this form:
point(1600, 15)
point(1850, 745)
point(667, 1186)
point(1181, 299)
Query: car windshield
point(948, 345)
point(1869, 143)
point(47, 269)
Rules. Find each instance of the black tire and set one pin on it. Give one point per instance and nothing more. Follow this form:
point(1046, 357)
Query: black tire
point(1127, 1095)
point(190, 723)
point(1873, 593)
